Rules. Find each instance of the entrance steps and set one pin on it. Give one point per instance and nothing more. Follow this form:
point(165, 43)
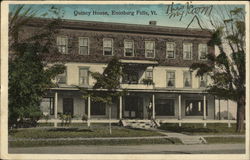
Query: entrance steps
point(140, 124)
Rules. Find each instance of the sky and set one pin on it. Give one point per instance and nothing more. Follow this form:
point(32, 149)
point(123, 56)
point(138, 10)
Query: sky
point(176, 15)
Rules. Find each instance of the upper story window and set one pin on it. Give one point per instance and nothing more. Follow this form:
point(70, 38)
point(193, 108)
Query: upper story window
point(202, 51)
point(62, 78)
point(107, 47)
point(149, 49)
point(128, 48)
point(170, 79)
point(203, 81)
point(187, 78)
point(83, 76)
point(62, 44)
point(149, 74)
point(83, 46)
point(170, 50)
point(187, 51)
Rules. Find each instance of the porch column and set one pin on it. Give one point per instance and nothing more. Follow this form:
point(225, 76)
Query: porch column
point(228, 118)
point(179, 108)
point(89, 103)
point(219, 109)
point(204, 110)
point(153, 105)
point(120, 105)
point(55, 108)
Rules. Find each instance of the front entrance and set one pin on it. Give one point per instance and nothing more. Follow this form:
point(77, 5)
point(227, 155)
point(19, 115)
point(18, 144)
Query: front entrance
point(68, 106)
point(133, 107)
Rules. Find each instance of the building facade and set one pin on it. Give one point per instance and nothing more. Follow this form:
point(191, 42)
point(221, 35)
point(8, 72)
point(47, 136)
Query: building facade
point(155, 61)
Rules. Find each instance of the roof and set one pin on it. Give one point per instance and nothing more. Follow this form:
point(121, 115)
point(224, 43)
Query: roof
point(124, 27)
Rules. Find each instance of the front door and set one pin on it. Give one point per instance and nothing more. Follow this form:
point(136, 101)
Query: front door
point(133, 107)
point(68, 106)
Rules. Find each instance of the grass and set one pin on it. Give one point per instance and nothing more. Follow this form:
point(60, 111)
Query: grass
point(73, 132)
point(198, 129)
point(93, 142)
point(224, 140)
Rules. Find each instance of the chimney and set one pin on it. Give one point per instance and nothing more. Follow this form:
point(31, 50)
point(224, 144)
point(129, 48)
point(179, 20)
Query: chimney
point(152, 23)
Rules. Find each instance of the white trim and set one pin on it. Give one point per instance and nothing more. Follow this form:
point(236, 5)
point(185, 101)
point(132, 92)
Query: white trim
point(199, 54)
point(124, 51)
point(112, 46)
point(79, 44)
point(145, 48)
point(66, 48)
point(167, 50)
point(187, 43)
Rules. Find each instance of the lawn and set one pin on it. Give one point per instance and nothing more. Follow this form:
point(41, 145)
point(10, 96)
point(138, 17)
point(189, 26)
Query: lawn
point(224, 140)
point(73, 132)
point(94, 142)
point(198, 129)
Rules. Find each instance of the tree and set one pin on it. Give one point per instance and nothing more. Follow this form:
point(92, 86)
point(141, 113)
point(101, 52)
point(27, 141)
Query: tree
point(227, 69)
point(107, 83)
point(28, 78)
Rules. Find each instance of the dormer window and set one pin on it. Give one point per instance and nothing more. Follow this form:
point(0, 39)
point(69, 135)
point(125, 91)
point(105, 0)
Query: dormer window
point(62, 44)
point(107, 47)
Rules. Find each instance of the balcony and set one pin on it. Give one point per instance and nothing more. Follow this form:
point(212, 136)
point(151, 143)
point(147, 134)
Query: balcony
point(136, 86)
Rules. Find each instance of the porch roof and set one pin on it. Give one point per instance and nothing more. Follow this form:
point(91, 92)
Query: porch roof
point(155, 90)
point(143, 62)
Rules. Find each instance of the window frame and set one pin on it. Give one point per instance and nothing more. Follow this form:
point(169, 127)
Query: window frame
point(128, 40)
point(66, 46)
point(173, 50)
point(149, 70)
point(83, 46)
point(66, 76)
point(202, 107)
point(204, 75)
point(191, 50)
point(85, 68)
point(146, 49)
point(51, 104)
point(167, 78)
point(191, 79)
point(199, 50)
point(112, 46)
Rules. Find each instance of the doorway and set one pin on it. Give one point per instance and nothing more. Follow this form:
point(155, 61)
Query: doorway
point(133, 107)
point(68, 106)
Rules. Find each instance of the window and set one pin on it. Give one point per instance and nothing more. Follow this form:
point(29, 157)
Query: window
point(62, 44)
point(149, 74)
point(164, 107)
point(149, 49)
point(187, 51)
point(108, 47)
point(62, 77)
point(97, 108)
point(128, 48)
point(170, 50)
point(83, 46)
point(187, 79)
point(203, 81)
point(47, 105)
point(83, 76)
point(170, 79)
point(202, 51)
point(195, 107)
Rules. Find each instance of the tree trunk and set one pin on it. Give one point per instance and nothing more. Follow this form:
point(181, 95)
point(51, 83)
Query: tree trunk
point(240, 127)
